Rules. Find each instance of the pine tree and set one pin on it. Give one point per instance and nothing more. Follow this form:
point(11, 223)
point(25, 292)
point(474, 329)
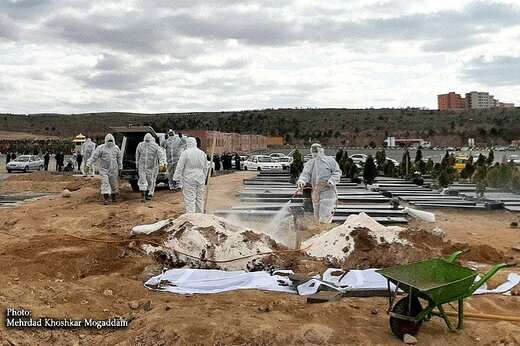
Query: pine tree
point(339, 156)
point(296, 166)
point(369, 171)
point(418, 155)
point(490, 158)
point(405, 166)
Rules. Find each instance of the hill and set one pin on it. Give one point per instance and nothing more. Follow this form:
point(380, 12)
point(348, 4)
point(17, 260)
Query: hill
point(333, 126)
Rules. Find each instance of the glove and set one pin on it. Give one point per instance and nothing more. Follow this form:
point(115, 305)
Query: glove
point(300, 184)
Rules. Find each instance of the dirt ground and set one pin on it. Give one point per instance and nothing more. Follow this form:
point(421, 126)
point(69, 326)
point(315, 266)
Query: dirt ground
point(48, 271)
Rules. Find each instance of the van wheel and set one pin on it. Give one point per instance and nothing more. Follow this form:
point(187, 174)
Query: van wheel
point(245, 168)
point(25, 169)
point(258, 169)
point(133, 184)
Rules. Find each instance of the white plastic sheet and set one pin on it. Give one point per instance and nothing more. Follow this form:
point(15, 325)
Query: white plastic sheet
point(189, 281)
point(147, 229)
point(420, 214)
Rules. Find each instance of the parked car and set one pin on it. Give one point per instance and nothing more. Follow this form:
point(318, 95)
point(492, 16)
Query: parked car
point(285, 162)
point(25, 163)
point(514, 158)
point(261, 163)
point(395, 162)
point(359, 158)
point(277, 156)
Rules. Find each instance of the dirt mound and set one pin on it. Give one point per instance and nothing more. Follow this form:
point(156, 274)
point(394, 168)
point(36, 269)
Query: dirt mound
point(47, 182)
point(207, 241)
point(358, 232)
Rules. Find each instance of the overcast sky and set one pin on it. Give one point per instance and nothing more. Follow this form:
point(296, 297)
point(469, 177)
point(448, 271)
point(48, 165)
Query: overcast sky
point(193, 55)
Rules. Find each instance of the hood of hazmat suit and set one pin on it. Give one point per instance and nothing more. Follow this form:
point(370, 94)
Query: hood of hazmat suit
point(148, 155)
point(193, 164)
point(323, 173)
point(173, 146)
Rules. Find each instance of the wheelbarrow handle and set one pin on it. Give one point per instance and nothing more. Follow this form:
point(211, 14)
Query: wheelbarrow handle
point(454, 256)
point(486, 277)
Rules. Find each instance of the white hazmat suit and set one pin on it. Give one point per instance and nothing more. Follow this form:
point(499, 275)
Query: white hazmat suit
point(191, 171)
point(324, 174)
point(87, 149)
point(173, 146)
point(110, 163)
point(148, 157)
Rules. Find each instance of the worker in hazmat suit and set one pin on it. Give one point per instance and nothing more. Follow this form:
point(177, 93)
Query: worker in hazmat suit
point(149, 157)
point(86, 151)
point(323, 173)
point(110, 164)
point(173, 146)
point(191, 171)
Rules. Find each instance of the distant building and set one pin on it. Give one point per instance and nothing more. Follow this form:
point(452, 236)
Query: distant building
point(228, 142)
point(451, 101)
point(392, 142)
point(480, 100)
point(473, 100)
point(274, 141)
point(505, 105)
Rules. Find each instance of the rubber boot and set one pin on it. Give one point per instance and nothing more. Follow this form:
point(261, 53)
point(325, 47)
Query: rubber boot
point(114, 197)
point(143, 194)
point(106, 198)
point(148, 196)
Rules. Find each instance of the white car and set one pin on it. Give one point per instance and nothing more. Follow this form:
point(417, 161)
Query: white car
point(395, 162)
point(261, 163)
point(514, 158)
point(359, 158)
point(277, 156)
point(25, 163)
point(285, 162)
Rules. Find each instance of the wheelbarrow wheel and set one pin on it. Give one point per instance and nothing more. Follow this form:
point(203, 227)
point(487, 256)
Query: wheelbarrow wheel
point(401, 327)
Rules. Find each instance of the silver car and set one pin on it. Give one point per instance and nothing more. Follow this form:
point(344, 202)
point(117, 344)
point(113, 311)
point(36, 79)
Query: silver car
point(25, 163)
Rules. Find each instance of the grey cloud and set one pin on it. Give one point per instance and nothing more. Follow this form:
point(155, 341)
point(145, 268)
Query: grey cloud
point(8, 29)
point(115, 80)
point(500, 71)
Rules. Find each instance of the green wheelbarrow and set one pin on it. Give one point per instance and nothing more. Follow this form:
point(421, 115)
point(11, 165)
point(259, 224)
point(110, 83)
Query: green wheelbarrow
point(437, 282)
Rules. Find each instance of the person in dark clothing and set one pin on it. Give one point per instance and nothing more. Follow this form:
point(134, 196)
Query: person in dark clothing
point(237, 161)
point(223, 161)
point(59, 161)
point(79, 160)
point(46, 159)
point(199, 142)
point(13, 156)
point(216, 161)
point(7, 158)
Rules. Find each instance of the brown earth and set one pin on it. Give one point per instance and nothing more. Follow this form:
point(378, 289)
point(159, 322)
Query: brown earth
point(52, 273)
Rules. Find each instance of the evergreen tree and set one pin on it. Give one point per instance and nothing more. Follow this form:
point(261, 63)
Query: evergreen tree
point(490, 158)
point(480, 179)
point(418, 155)
point(369, 171)
point(405, 166)
point(296, 166)
point(339, 156)
point(468, 170)
point(481, 160)
point(429, 166)
point(380, 158)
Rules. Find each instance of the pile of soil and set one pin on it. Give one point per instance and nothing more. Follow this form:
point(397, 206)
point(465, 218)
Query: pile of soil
point(47, 182)
point(211, 242)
